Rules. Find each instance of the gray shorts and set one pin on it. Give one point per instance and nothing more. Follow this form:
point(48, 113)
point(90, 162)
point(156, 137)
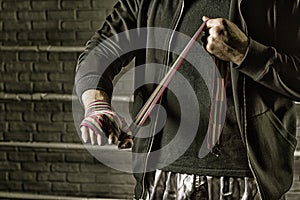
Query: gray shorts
point(164, 185)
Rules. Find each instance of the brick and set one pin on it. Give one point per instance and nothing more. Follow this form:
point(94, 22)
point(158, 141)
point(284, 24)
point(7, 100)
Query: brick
point(76, 4)
point(68, 88)
point(4, 126)
point(32, 15)
point(50, 157)
point(29, 56)
point(18, 67)
point(37, 36)
point(71, 137)
point(8, 15)
point(97, 24)
point(51, 127)
point(61, 36)
point(297, 164)
point(48, 67)
point(47, 87)
point(2, 107)
point(19, 88)
point(12, 38)
point(8, 56)
point(293, 196)
point(90, 14)
point(295, 186)
point(3, 176)
point(84, 35)
point(79, 157)
point(71, 128)
point(21, 156)
point(62, 117)
point(24, 77)
point(3, 156)
point(93, 168)
point(8, 77)
point(36, 167)
point(81, 178)
point(47, 137)
point(98, 188)
point(45, 25)
point(7, 148)
point(13, 116)
point(60, 14)
point(18, 136)
point(36, 186)
point(37, 116)
point(31, 36)
point(115, 178)
point(19, 106)
point(69, 66)
point(77, 25)
point(61, 77)
point(65, 187)
point(48, 107)
point(68, 107)
point(52, 176)
point(16, 26)
point(45, 4)
point(38, 77)
point(16, 5)
point(11, 185)
point(103, 4)
point(22, 176)
point(24, 127)
point(123, 189)
point(3, 36)
point(9, 166)
point(65, 167)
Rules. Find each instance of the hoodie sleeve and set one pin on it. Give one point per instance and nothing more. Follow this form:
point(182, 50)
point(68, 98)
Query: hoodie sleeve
point(273, 69)
point(103, 56)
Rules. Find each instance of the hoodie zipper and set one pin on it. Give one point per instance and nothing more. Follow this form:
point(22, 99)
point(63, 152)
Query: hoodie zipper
point(168, 55)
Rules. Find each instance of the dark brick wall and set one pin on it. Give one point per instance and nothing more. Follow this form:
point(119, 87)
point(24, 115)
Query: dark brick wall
point(43, 170)
point(55, 22)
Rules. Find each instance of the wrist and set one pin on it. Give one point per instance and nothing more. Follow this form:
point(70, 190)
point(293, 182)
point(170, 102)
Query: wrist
point(91, 96)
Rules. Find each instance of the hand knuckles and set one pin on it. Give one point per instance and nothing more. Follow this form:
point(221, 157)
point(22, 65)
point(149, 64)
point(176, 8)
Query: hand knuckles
point(210, 47)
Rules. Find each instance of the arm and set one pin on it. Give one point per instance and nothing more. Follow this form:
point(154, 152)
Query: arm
point(96, 68)
point(276, 70)
point(101, 60)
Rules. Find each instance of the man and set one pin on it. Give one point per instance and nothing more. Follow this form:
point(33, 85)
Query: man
point(255, 150)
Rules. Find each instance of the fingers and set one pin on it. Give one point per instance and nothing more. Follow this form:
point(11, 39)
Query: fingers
point(213, 22)
point(205, 18)
point(93, 137)
point(87, 134)
point(126, 143)
point(112, 138)
point(104, 127)
point(84, 133)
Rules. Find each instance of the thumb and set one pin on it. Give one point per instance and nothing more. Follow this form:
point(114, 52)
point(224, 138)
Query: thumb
point(205, 18)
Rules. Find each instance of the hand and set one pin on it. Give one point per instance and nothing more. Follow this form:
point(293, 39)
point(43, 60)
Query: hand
point(101, 125)
point(225, 40)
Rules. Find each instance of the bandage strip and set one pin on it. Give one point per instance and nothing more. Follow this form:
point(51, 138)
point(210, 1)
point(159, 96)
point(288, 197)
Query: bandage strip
point(159, 90)
point(101, 119)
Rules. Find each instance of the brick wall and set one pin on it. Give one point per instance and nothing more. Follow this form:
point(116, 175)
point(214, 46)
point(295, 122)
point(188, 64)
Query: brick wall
point(29, 117)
